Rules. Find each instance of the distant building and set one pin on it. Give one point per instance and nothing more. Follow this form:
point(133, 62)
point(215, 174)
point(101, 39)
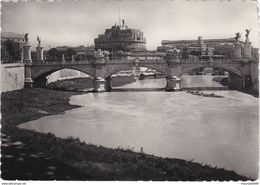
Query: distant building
point(186, 43)
point(82, 52)
point(200, 47)
point(88, 50)
point(121, 38)
point(18, 38)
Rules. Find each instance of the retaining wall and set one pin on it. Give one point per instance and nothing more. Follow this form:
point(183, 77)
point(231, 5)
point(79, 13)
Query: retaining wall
point(12, 77)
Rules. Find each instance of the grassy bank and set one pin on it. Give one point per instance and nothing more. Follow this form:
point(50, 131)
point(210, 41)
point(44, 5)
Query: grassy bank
point(97, 162)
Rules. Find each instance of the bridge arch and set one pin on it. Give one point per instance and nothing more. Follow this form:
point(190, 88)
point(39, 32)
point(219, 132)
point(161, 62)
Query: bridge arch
point(159, 68)
point(110, 71)
point(226, 68)
point(47, 71)
point(110, 85)
point(39, 77)
point(113, 70)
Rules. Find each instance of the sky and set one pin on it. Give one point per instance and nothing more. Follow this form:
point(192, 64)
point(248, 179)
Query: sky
point(75, 23)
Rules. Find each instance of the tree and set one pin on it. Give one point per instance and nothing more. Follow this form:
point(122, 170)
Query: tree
point(69, 52)
point(13, 50)
point(53, 52)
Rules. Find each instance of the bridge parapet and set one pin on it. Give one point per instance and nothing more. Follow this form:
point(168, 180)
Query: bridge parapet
point(153, 61)
point(132, 61)
point(227, 60)
point(61, 62)
point(204, 60)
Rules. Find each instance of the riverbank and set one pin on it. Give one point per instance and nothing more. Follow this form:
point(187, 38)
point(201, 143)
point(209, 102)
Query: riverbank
point(97, 162)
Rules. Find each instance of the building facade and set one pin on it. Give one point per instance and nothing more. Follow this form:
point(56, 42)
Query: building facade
point(200, 48)
point(19, 38)
point(78, 49)
point(121, 38)
point(186, 43)
point(81, 52)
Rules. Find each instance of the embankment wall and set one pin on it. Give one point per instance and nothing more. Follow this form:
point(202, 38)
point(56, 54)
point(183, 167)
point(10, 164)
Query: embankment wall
point(12, 77)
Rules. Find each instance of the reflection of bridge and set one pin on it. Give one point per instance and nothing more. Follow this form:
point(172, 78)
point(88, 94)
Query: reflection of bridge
point(101, 69)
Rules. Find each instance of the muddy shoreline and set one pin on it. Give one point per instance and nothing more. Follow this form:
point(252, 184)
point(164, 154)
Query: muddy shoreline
point(96, 162)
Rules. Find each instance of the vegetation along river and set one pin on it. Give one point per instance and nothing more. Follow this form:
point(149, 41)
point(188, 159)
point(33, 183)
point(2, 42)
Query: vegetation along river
point(220, 132)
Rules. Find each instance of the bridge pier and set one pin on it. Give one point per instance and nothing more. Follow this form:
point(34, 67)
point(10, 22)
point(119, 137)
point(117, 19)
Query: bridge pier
point(108, 86)
point(173, 84)
point(28, 82)
point(99, 84)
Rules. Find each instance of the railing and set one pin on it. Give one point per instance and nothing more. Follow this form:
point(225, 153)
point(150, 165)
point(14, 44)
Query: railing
point(136, 60)
point(205, 60)
point(127, 61)
point(62, 62)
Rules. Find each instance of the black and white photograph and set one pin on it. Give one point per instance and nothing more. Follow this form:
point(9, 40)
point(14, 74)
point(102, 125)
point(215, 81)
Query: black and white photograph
point(129, 90)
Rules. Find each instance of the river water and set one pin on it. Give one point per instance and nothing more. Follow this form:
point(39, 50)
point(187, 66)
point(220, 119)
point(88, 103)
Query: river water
point(220, 132)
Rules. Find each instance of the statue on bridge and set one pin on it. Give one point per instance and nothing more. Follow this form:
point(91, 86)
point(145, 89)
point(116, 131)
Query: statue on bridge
point(173, 54)
point(247, 34)
point(39, 40)
point(101, 54)
point(106, 54)
point(26, 38)
point(238, 36)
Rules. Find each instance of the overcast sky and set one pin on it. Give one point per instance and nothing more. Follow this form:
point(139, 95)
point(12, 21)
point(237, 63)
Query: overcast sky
point(76, 23)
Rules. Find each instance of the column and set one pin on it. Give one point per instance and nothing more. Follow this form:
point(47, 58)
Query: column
point(99, 82)
point(238, 50)
point(39, 53)
point(108, 86)
point(28, 83)
point(247, 50)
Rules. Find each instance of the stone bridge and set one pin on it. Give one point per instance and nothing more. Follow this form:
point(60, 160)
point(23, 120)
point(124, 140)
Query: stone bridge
point(243, 70)
point(101, 69)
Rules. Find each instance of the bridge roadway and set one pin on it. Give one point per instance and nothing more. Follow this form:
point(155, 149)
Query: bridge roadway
point(101, 69)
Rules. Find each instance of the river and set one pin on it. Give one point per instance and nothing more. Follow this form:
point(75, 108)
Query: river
point(220, 132)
